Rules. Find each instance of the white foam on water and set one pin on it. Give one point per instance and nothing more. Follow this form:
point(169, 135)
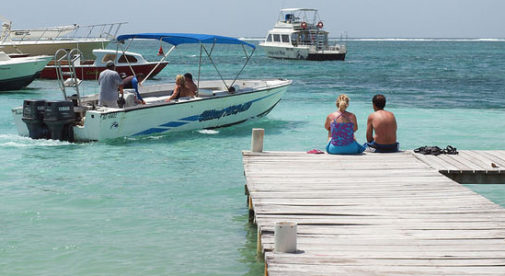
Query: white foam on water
point(208, 131)
point(428, 39)
point(16, 141)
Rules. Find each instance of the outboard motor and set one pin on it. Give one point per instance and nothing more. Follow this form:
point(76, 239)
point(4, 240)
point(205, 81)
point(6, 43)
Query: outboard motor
point(59, 117)
point(33, 116)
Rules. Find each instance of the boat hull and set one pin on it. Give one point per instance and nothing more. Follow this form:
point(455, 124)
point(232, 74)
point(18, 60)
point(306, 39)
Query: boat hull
point(20, 72)
point(286, 52)
point(16, 83)
point(160, 118)
point(304, 53)
point(326, 56)
point(92, 72)
point(49, 47)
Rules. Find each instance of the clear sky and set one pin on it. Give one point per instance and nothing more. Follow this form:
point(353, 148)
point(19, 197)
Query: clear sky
point(357, 18)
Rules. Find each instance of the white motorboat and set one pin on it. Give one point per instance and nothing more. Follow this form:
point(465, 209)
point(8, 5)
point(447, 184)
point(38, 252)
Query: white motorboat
point(16, 73)
point(299, 34)
point(219, 103)
point(47, 41)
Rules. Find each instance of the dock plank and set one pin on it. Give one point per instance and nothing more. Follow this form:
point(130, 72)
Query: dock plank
point(376, 214)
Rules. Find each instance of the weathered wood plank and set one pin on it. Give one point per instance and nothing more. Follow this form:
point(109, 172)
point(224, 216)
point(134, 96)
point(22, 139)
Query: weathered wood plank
point(386, 214)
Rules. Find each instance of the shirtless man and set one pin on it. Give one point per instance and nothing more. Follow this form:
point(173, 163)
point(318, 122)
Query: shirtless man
point(382, 123)
point(189, 84)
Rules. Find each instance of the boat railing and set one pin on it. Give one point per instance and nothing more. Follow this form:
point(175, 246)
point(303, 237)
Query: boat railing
point(71, 81)
point(98, 31)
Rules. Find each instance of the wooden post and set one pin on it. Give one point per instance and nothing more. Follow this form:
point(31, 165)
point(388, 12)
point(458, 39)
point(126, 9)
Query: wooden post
point(251, 208)
point(285, 237)
point(257, 139)
point(259, 246)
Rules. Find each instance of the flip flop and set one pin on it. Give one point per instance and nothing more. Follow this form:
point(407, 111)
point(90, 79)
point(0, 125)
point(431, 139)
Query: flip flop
point(315, 151)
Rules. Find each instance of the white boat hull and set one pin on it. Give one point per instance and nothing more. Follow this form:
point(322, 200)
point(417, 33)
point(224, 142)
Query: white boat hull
point(160, 117)
point(19, 72)
point(303, 52)
point(286, 52)
point(49, 47)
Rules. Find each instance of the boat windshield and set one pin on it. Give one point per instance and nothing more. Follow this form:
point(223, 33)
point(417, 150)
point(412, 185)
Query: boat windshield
point(298, 15)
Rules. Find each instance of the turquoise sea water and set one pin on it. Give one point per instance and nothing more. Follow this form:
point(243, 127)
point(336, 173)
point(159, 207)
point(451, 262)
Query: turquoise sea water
point(175, 204)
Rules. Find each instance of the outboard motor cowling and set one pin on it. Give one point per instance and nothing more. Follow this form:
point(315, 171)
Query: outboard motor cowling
point(59, 117)
point(33, 116)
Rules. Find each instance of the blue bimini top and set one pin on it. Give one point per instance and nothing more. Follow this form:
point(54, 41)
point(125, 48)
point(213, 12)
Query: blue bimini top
point(182, 38)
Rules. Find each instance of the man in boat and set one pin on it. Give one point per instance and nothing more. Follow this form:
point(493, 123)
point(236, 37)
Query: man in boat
point(190, 85)
point(133, 82)
point(109, 81)
point(381, 128)
point(180, 90)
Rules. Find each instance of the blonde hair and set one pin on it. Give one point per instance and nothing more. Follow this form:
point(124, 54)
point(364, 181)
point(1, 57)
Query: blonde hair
point(342, 102)
point(179, 80)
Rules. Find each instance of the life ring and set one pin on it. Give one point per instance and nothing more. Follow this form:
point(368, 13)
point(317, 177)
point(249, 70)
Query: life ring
point(303, 25)
point(320, 24)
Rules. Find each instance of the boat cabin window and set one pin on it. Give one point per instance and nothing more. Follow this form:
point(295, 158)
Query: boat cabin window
point(269, 38)
point(285, 38)
point(295, 38)
point(131, 59)
point(277, 38)
point(108, 57)
point(289, 17)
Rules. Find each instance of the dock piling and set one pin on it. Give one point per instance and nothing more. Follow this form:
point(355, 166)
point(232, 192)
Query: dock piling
point(257, 139)
point(285, 237)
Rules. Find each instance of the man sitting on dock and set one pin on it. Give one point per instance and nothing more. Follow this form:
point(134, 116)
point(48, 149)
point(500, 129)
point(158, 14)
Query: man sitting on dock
point(382, 123)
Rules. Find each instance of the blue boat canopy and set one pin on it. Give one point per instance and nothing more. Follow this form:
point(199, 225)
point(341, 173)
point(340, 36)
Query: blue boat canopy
point(181, 38)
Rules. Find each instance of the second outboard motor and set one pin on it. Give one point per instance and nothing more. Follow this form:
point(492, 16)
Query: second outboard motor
point(59, 116)
point(33, 116)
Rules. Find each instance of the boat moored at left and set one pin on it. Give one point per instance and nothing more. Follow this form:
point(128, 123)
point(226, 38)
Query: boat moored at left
point(47, 41)
point(17, 73)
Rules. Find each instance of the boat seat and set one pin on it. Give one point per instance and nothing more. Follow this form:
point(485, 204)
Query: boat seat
point(129, 99)
point(155, 100)
point(205, 93)
point(152, 100)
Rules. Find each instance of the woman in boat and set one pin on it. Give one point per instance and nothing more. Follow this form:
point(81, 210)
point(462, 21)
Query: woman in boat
point(341, 126)
point(180, 89)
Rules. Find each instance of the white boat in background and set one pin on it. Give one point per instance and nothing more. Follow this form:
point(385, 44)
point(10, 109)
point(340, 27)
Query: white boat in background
point(299, 34)
point(47, 41)
point(218, 103)
point(16, 73)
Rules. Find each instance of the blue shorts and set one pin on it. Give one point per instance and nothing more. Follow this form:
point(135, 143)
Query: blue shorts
point(383, 148)
point(352, 148)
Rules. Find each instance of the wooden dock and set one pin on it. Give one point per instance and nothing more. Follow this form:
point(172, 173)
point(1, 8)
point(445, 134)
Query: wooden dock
point(377, 214)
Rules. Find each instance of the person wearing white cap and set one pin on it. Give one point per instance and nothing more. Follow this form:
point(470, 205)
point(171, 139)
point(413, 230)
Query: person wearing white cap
point(109, 81)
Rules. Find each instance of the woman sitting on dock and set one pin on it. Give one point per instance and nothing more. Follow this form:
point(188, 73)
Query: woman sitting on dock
point(341, 126)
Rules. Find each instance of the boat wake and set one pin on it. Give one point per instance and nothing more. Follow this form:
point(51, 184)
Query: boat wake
point(208, 131)
point(15, 141)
